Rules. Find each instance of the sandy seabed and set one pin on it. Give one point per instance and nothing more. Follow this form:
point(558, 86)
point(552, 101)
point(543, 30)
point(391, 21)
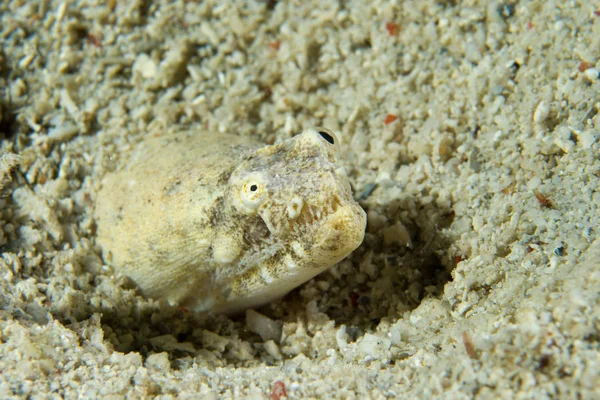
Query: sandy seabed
point(470, 130)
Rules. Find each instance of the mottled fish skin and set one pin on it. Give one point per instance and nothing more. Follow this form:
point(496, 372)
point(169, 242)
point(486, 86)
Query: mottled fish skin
point(221, 223)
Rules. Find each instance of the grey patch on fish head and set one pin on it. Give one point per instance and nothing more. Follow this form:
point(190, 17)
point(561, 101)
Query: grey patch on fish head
point(296, 207)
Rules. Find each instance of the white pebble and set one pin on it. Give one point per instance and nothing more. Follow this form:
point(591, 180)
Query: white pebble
point(264, 326)
point(273, 350)
point(145, 66)
point(587, 139)
point(541, 112)
point(592, 74)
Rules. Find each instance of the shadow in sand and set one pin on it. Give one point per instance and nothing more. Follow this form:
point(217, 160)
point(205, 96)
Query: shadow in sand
point(384, 277)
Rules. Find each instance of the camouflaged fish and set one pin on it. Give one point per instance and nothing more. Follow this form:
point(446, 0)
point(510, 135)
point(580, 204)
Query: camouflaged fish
point(221, 223)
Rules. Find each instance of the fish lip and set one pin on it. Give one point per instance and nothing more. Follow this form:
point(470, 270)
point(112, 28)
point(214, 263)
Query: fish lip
point(352, 219)
point(346, 221)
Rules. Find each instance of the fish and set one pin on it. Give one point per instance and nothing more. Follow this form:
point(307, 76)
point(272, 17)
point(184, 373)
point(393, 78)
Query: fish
point(221, 223)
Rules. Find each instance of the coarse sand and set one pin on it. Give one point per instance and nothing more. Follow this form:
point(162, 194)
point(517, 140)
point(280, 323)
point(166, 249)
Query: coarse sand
point(470, 133)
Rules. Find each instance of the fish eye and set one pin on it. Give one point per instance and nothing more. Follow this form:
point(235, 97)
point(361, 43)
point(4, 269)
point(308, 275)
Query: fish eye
point(328, 136)
point(252, 194)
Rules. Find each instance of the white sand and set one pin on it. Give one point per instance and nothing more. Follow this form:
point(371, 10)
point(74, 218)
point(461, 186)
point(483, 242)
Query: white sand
point(492, 170)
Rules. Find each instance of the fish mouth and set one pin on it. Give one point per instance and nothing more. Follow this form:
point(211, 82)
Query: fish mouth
point(334, 227)
point(333, 230)
point(312, 216)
